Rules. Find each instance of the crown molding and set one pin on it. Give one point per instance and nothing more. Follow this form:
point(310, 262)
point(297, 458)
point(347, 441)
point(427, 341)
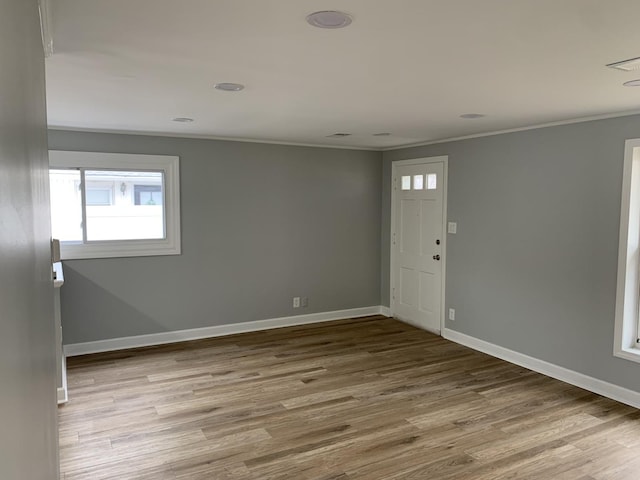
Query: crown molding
point(518, 129)
point(207, 137)
point(344, 147)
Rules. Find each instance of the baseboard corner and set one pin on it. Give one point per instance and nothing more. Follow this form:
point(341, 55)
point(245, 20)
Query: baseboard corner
point(592, 384)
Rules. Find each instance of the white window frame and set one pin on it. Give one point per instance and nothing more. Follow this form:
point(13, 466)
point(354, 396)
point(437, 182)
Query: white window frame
point(169, 165)
point(628, 286)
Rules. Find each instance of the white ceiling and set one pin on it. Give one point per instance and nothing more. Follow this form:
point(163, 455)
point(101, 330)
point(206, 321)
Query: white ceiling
point(408, 67)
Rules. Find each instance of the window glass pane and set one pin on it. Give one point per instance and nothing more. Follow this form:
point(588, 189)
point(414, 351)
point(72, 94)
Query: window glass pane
point(134, 213)
point(432, 181)
point(418, 182)
point(66, 206)
point(406, 182)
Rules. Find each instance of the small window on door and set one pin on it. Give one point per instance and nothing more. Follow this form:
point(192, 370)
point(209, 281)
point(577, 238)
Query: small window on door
point(432, 181)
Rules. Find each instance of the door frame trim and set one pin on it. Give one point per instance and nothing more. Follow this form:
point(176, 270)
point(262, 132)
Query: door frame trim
point(444, 159)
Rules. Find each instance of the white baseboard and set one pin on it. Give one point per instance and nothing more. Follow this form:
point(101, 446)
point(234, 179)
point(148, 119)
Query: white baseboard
point(386, 311)
point(122, 343)
point(62, 396)
point(594, 385)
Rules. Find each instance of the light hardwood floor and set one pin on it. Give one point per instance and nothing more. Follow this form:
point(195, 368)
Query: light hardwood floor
point(354, 399)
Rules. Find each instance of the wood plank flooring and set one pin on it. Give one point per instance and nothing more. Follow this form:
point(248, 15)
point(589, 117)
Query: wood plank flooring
point(354, 399)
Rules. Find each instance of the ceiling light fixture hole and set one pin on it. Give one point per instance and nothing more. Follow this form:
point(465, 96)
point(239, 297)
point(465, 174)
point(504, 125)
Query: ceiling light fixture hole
point(329, 19)
point(183, 119)
point(229, 87)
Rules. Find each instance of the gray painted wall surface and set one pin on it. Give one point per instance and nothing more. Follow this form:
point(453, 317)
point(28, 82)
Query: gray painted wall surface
point(260, 224)
point(28, 439)
point(533, 265)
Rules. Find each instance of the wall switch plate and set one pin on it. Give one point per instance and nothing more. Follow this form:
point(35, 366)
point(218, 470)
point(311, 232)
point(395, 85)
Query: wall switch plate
point(296, 302)
point(452, 227)
point(304, 302)
point(452, 314)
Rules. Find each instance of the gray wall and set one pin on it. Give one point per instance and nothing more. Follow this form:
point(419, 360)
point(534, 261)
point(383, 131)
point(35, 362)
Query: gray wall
point(28, 439)
point(533, 265)
point(260, 224)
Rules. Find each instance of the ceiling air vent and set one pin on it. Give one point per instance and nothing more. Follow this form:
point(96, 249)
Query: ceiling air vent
point(338, 135)
point(626, 65)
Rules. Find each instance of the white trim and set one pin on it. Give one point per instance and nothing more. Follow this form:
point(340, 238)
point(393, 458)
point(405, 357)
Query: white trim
point(386, 311)
point(63, 395)
point(46, 26)
point(628, 281)
point(61, 128)
point(570, 121)
point(170, 165)
point(162, 338)
point(444, 159)
point(609, 390)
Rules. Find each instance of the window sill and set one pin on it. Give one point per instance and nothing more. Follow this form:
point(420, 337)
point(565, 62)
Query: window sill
point(119, 249)
point(632, 354)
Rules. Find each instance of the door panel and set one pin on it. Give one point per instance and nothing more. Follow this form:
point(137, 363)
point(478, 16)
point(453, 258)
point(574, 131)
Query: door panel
point(430, 216)
point(408, 284)
point(409, 228)
point(427, 291)
point(417, 244)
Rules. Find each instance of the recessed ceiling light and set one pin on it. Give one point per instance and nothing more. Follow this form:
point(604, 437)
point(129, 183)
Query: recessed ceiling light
point(472, 115)
point(338, 135)
point(183, 119)
point(329, 19)
point(383, 134)
point(229, 87)
point(632, 83)
point(626, 65)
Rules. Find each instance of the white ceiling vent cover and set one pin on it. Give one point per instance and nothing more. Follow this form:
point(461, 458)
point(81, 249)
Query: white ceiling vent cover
point(626, 65)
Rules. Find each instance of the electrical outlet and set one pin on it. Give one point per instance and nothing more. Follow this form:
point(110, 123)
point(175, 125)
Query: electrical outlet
point(452, 314)
point(452, 227)
point(304, 302)
point(296, 302)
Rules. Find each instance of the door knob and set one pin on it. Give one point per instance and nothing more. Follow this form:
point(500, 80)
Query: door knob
point(436, 257)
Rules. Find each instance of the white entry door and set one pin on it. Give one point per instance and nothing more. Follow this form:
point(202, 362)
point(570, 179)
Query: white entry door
point(417, 243)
